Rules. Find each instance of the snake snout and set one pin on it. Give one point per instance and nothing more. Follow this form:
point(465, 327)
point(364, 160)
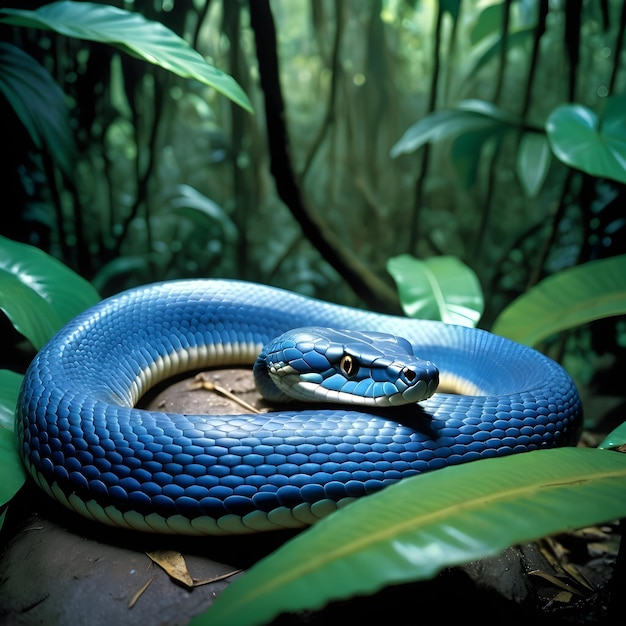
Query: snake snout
point(416, 382)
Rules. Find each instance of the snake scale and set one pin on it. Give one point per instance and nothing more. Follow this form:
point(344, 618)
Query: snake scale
point(85, 444)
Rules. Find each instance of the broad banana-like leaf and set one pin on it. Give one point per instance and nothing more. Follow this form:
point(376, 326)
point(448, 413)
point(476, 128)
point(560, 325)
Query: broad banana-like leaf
point(439, 288)
point(411, 530)
point(134, 34)
point(38, 293)
point(565, 300)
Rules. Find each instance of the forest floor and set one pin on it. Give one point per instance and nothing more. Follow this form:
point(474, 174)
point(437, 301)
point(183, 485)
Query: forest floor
point(56, 568)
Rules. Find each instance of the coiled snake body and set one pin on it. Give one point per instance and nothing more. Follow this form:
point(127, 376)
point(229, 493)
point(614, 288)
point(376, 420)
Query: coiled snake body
point(85, 444)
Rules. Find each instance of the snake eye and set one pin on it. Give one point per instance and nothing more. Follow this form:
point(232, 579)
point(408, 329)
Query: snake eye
point(349, 366)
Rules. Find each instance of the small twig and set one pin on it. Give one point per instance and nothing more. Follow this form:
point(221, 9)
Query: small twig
point(208, 581)
point(202, 383)
point(140, 592)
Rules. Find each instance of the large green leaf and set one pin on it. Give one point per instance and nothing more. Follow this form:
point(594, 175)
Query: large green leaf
point(595, 146)
point(38, 293)
point(132, 33)
point(565, 300)
point(440, 288)
point(39, 104)
point(411, 530)
point(11, 468)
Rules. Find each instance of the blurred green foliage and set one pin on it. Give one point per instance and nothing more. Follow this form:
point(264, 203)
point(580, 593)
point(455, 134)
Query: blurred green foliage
point(487, 131)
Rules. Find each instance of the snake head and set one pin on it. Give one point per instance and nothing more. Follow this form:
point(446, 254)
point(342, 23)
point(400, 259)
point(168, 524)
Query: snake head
point(359, 368)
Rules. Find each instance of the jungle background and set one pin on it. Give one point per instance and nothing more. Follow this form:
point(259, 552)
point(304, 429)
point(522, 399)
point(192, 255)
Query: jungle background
point(378, 128)
point(146, 176)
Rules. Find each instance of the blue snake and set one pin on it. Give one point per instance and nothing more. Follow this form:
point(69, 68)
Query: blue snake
point(85, 444)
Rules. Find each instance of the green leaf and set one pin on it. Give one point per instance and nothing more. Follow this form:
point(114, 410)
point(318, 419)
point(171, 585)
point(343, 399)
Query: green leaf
point(38, 293)
point(440, 288)
point(411, 530)
point(39, 104)
point(595, 146)
point(615, 439)
point(11, 467)
point(470, 116)
point(565, 300)
point(533, 162)
point(436, 127)
point(131, 32)
point(9, 388)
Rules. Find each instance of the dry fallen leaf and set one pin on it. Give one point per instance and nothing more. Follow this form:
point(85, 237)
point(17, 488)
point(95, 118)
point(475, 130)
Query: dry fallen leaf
point(174, 564)
point(557, 554)
point(555, 581)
